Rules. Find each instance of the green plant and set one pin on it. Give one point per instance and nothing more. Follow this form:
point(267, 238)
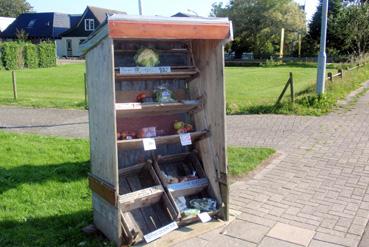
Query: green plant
point(12, 55)
point(47, 56)
point(30, 56)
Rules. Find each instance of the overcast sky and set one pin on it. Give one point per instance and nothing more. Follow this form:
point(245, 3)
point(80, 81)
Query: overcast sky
point(150, 7)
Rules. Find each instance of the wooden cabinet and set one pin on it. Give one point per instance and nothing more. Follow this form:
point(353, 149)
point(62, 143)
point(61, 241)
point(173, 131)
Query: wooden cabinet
point(136, 192)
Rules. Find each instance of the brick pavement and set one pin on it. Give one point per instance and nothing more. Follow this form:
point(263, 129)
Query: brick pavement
point(316, 195)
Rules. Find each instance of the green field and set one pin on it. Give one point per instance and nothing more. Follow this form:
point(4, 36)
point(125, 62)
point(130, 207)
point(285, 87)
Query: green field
point(44, 194)
point(59, 87)
point(262, 86)
point(249, 89)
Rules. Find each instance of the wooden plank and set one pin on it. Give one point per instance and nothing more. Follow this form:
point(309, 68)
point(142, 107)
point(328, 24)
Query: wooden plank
point(137, 143)
point(103, 189)
point(102, 126)
point(140, 198)
point(132, 169)
point(139, 110)
point(185, 233)
point(102, 123)
point(208, 56)
point(146, 212)
point(168, 30)
point(163, 76)
point(130, 96)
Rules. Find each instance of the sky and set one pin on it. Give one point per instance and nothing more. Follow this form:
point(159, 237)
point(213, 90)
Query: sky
point(150, 7)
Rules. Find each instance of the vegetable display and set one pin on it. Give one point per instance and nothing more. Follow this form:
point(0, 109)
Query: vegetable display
point(147, 57)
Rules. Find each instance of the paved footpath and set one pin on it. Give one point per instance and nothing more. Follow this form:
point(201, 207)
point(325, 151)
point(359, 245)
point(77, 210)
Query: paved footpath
point(316, 194)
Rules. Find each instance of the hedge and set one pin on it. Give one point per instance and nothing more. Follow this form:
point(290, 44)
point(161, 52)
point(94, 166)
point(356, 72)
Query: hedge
point(30, 56)
point(17, 55)
point(46, 52)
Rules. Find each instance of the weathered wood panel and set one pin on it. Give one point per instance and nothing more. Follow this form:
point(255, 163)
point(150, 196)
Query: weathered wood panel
point(103, 149)
point(208, 57)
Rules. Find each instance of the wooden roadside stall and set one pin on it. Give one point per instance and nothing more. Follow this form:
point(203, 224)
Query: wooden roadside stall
point(157, 124)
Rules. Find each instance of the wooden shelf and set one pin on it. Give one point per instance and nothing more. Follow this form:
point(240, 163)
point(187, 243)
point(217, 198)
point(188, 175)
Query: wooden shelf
point(137, 143)
point(188, 188)
point(177, 73)
point(140, 198)
point(150, 109)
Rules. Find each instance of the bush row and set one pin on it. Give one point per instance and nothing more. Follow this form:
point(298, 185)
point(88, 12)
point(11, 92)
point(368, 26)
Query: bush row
point(18, 55)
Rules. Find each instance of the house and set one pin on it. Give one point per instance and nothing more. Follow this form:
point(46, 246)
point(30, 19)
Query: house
point(68, 45)
point(5, 22)
point(38, 26)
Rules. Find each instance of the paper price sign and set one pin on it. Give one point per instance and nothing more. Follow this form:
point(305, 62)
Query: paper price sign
point(204, 217)
point(185, 139)
point(149, 144)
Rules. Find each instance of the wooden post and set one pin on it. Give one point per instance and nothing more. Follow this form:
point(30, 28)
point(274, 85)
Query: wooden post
point(283, 92)
point(340, 71)
point(330, 76)
point(292, 88)
point(14, 79)
point(85, 82)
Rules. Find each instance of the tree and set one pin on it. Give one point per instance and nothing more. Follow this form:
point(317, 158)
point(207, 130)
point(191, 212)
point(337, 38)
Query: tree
point(352, 27)
point(258, 23)
point(334, 42)
point(13, 8)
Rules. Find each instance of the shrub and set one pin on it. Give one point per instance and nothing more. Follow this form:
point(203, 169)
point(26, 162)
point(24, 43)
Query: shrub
point(12, 55)
point(30, 56)
point(47, 56)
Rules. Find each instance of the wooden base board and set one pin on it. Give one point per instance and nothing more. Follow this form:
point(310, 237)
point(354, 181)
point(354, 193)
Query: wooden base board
point(190, 231)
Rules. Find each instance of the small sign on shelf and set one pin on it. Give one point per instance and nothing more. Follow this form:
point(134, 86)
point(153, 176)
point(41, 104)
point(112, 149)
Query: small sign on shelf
point(149, 144)
point(160, 232)
point(185, 139)
point(204, 217)
point(144, 70)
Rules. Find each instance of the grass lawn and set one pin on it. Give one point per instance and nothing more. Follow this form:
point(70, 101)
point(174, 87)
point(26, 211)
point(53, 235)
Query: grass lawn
point(44, 194)
point(256, 89)
point(59, 87)
point(243, 160)
point(249, 89)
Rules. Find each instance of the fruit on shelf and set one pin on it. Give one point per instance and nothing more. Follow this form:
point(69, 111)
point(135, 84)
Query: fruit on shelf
point(182, 127)
point(178, 125)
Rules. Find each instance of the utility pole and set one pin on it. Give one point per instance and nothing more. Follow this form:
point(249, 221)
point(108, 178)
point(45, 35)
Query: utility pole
point(282, 44)
point(139, 7)
point(322, 60)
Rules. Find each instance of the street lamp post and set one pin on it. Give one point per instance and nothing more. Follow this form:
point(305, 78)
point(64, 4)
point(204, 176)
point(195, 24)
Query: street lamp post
point(320, 86)
point(139, 7)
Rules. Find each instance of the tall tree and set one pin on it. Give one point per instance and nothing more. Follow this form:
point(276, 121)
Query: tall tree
point(352, 27)
point(258, 23)
point(13, 8)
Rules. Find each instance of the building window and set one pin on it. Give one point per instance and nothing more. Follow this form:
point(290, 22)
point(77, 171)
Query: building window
point(81, 41)
point(89, 24)
point(31, 23)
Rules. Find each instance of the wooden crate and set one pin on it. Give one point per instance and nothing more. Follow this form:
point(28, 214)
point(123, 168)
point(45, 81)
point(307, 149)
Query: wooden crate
point(129, 199)
point(180, 166)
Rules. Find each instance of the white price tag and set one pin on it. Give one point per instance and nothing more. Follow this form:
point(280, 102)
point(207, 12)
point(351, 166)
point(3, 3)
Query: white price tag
point(149, 144)
point(185, 139)
point(160, 232)
point(204, 217)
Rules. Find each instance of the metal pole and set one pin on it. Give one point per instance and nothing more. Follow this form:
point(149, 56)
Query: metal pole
point(322, 60)
point(282, 43)
point(139, 7)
